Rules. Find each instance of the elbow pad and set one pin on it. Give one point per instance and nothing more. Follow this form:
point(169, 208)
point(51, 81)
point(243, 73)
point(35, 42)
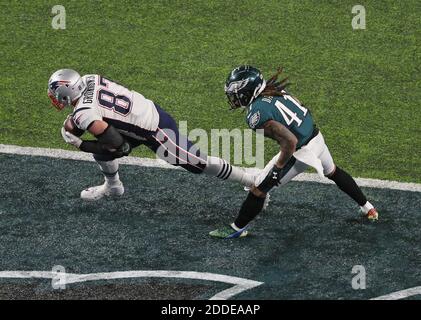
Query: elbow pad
point(113, 142)
point(111, 139)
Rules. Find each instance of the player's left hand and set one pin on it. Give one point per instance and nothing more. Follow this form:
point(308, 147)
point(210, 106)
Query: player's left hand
point(71, 138)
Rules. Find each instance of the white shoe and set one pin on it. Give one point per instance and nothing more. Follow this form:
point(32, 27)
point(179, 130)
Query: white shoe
point(104, 190)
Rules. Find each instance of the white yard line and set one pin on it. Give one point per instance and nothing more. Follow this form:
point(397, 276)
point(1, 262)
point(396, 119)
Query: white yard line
point(400, 294)
point(157, 163)
point(240, 284)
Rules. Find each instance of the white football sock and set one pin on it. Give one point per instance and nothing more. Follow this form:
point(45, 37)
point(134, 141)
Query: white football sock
point(367, 207)
point(110, 171)
point(223, 170)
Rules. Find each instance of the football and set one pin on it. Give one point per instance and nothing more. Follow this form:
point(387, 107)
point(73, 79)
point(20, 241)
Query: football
point(70, 126)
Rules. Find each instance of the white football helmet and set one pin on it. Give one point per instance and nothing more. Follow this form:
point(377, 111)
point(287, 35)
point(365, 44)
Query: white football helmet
point(65, 87)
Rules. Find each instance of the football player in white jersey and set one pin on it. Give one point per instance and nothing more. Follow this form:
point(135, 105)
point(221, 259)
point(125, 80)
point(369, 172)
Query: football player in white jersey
point(122, 119)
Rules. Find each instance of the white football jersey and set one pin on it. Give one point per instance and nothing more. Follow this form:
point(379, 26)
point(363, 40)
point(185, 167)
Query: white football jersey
point(126, 110)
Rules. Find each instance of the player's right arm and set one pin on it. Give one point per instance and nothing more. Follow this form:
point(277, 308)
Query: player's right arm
point(109, 140)
point(286, 139)
point(288, 142)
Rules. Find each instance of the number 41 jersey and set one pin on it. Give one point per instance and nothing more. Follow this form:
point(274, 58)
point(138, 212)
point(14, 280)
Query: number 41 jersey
point(128, 111)
point(286, 110)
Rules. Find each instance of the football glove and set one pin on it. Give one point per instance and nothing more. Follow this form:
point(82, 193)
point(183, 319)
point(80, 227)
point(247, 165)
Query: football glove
point(71, 138)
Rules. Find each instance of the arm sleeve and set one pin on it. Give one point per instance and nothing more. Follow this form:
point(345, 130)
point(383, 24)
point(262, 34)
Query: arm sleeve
point(110, 142)
point(97, 147)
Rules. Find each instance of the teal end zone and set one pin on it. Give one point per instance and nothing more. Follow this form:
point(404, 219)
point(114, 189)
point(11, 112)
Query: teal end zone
point(303, 247)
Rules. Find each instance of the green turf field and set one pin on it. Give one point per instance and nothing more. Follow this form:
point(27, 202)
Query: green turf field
point(363, 87)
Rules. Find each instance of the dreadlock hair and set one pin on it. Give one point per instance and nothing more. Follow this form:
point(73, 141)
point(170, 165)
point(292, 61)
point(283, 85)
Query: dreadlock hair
point(275, 87)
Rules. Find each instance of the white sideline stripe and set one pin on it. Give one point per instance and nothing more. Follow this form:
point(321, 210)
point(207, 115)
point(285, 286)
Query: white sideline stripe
point(81, 156)
point(400, 294)
point(240, 284)
point(157, 163)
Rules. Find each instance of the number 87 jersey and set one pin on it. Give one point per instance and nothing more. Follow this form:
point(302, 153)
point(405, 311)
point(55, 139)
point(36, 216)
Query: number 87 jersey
point(286, 110)
point(128, 111)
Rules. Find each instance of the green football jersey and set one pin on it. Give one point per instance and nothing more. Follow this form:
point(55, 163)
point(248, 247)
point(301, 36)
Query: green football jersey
point(286, 110)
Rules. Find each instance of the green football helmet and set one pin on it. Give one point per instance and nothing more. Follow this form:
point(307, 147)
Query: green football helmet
point(243, 85)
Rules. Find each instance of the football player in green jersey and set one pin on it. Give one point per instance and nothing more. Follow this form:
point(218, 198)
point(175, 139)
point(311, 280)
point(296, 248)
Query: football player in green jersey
point(286, 120)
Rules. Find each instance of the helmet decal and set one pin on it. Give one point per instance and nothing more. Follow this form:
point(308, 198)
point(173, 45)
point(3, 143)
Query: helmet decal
point(55, 84)
point(237, 85)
